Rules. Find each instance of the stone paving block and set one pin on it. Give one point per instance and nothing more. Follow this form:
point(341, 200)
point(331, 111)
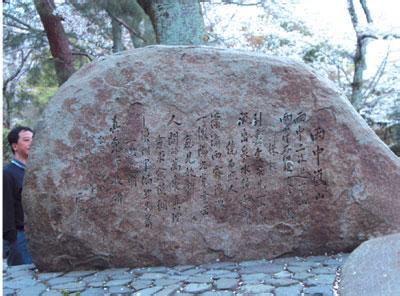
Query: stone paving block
point(157, 269)
point(201, 278)
point(23, 274)
point(321, 279)
point(291, 290)
point(193, 271)
point(197, 288)
point(321, 290)
point(80, 273)
point(255, 277)
point(280, 282)
point(48, 275)
point(252, 262)
point(97, 278)
point(297, 268)
point(180, 278)
point(36, 290)
point(152, 276)
point(306, 263)
point(98, 284)
point(166, 282)
point(182, 268)
point(229, 275)
point(51, 293)
point(332, 262)
point(15, 268)
point(19, 283)
point(92, 292)
point(301, 276)
point(325, 270)
point(147, 291)
point(255, 289)
point(123, 282)
point(70, 287)
point(113, 271)
point(119, 290)
point(141, 284)
point(282, 274)
point(219, 265)
point(217, 293)
point(225, 284)
point(61, 280)
point(259, 294)
point(265, 268)
point(168, 290)
point(216, 272)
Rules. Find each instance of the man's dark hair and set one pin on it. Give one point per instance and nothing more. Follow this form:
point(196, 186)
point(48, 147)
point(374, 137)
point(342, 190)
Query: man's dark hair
point(13, 135)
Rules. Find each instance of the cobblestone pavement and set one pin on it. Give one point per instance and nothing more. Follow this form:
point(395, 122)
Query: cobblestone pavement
point(317, 275)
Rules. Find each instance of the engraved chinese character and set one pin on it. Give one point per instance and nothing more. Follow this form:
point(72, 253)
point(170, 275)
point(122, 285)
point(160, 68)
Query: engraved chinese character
point(245, 152)
point(317, 178)
point(173, 139)
point(188, 142)
point(286, 119)
point(256, 119)
point(244, 137)
point(317, 153)
point(217, 172)
point(244, 170)
point(230, 148)
point(301, 117)
point(243, 118)
point(215, 120)
point(215, 140)
point(317, 134)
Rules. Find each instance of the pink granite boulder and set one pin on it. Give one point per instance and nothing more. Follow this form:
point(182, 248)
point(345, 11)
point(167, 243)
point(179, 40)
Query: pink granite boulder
point(184, 155)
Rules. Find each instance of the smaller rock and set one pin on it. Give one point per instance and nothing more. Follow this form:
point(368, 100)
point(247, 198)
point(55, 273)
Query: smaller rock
point(373, 268)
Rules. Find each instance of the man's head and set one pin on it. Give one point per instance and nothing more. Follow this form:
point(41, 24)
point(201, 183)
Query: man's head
point(20, 140)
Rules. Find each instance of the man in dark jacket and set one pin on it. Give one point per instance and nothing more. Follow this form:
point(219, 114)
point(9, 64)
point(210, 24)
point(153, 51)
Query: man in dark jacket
point(20, 140)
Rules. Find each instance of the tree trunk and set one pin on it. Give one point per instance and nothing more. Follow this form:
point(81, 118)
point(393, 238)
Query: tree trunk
point(58, 41)
point(117, 36)
point(176, 21)
point(357, 97)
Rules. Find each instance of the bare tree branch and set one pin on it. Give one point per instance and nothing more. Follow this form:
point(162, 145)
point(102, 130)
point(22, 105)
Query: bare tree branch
point(375, 80)
point(25, 25)
point(366, 10)
point(353, 15)
point(123, 23)
point(18, 71)
point(83, 54)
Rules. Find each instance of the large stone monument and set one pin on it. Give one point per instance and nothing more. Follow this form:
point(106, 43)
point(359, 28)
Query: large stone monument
point(183, 155)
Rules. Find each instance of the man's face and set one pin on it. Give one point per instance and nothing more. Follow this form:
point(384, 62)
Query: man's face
point(21, 148)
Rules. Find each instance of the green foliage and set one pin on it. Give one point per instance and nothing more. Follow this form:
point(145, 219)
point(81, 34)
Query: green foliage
point(313, 54)
point(291, 26)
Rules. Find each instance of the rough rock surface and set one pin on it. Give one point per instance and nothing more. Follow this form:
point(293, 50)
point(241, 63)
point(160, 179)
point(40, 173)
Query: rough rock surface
point(373, 268)
point(185, 155)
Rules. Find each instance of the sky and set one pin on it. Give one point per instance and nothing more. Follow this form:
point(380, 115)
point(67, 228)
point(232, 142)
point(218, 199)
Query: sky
point(333, 21)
